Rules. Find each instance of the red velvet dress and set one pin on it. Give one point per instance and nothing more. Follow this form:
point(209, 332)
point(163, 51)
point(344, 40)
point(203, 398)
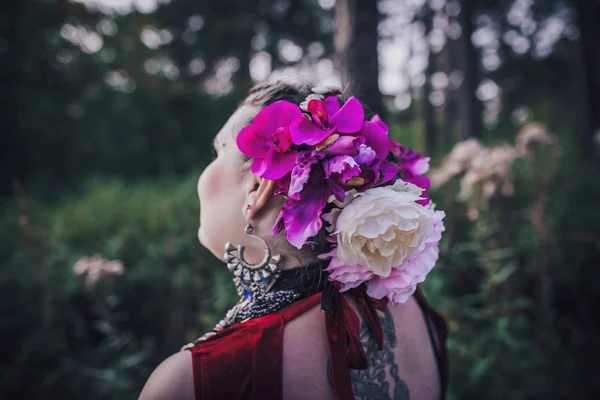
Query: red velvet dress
point(232, 364)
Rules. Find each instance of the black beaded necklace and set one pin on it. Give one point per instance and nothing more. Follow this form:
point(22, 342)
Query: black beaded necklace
point(293, 285)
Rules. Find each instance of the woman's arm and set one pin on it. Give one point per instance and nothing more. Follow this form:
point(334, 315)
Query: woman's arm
point(173, 379)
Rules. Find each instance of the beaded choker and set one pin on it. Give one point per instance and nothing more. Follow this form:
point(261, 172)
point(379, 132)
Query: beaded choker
point(293, 285)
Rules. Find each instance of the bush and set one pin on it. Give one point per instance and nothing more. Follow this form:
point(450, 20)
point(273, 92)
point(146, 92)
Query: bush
point(517, 283)
point(68, 340)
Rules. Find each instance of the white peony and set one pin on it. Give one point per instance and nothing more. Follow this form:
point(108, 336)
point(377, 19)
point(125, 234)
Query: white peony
point(382, 228)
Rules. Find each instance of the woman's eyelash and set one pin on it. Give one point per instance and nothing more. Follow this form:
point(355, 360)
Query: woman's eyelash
point(213, 152)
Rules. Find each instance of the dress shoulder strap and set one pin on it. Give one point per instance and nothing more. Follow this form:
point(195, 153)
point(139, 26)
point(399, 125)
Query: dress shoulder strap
point(231, 364)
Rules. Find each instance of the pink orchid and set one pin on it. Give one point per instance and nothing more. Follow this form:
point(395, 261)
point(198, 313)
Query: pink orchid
point(268, 140)
point(408, 159)
point(327, 118)
point(318, 158)
point(376, 138)
point(410, 163)
point(376, 119)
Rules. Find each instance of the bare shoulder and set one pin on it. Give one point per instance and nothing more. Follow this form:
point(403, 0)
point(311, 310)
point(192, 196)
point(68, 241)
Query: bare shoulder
point(305, 355)
point(172, 379)
point(413, 351)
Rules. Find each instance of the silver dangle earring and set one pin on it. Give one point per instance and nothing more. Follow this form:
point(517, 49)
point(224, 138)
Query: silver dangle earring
point(252, 280)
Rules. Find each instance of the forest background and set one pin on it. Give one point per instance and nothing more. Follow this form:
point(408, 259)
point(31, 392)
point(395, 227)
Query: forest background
point(109, 108)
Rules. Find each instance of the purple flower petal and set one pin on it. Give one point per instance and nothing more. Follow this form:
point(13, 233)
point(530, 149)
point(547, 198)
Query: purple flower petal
point(425, 199)
point(388, 171)
point(306, 132)
point(347, 145)
point(250, 144)
point(396, 148)
point(377, 120)
point(274, 116)
point(338, 189)
point(376, 139)
point(302, 218)
point(366, 155)
point(349, 118)
point(282, 140)
point(319, 113)
point(301, 173)
point(406, 155)
point(418, 166)
point(345, 167)
point(279, 224)
point(421, 181)
point(275, 165)
point(259, 166)
point(332, 104)
point(283, 185)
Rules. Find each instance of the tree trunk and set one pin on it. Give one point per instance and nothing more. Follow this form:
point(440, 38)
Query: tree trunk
point(588, 16)
point(355, 43)
point(426, 106)
point(11, 155)
point(469, 106)
point(449, 61)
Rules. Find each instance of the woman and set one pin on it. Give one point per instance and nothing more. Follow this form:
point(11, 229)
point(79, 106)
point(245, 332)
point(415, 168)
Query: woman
point(324, 221)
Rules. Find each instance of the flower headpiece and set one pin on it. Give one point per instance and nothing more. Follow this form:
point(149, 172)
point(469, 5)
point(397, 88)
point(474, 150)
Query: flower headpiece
point(333, 166)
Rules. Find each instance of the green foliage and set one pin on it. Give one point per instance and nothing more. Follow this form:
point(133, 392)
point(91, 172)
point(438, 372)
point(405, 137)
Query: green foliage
point(517, 285)
point(518, 292)
point(103, 341)
point(513, 299)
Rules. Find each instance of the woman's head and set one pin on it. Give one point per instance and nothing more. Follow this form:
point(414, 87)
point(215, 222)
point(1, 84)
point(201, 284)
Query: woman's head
point(304, 167)
point(231, 195)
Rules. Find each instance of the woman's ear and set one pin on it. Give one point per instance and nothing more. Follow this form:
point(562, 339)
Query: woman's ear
point(258, 197)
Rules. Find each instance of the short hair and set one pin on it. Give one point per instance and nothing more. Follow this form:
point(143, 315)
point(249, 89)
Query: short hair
point(277, 88)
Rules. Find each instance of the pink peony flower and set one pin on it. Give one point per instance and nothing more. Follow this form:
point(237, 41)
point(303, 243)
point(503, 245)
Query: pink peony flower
point(403, 280)
point(268, 140)
point(349, 276)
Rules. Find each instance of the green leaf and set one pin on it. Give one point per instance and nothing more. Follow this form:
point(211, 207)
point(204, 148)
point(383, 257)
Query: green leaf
point(481, 367)
point(502, 275)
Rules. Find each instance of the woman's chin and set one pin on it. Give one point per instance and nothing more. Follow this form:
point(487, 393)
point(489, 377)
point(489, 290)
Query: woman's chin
point(201, 236)
point(206, 243)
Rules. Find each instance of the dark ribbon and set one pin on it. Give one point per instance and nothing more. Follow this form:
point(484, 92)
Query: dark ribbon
point(343, 337)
